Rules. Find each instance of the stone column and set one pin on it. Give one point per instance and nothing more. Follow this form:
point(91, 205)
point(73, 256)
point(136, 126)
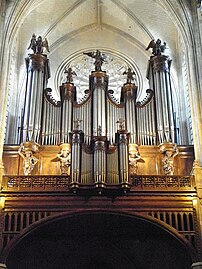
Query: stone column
point(3, 80)
point(196, 265)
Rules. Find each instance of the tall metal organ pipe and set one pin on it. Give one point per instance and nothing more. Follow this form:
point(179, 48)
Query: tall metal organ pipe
point(159, 76)
point(129, 93)
point(67, 96)
point(37, 66)
point(122, 138)
point(98, 88)
point(76, 140)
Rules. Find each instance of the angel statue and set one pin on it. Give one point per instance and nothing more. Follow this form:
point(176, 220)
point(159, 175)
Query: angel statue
point(38, 44)
point(129, 74)
point(33, 43)
point(70, 73)
point(29, 160)
point(99, 59)
point(157, 47)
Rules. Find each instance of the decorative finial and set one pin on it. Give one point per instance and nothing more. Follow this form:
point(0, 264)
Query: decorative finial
point(70, 73)
point(121, 123)
point(99, 130)
point(99, 59)
point(77, 123)
point(130, 75)
point(157, 47)
point(38, 44)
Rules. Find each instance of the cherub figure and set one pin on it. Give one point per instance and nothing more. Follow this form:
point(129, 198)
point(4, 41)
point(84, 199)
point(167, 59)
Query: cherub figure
point(29, 160)
point(64, 157)
point(129, 74)
point(99, 59)
point(70, 73)
point(157, 47)
point(168, 161)
point(121, 123)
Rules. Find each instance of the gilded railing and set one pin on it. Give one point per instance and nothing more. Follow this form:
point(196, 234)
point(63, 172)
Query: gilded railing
point(35, 183)
point(161, 182)
point(61, 183)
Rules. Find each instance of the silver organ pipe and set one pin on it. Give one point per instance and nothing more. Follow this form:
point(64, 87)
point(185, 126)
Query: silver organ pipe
point(146, 124)
point(122, 138)
point(112, 168)
point(51, 119)
point(67, 96)
point(37, 76)
point(170, 105)
point(76, 151)
point(98, 82)
point(115, 113)
point(86, 173)
point(83, 115)
point(129, 93)
point(159, 75)
point(99, 160)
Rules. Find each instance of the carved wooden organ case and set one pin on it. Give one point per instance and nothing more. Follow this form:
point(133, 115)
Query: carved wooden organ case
point(100, 134)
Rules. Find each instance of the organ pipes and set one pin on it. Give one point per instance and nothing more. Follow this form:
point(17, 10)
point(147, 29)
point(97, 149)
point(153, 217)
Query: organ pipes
point(37, 76)
point(122, 138)
point(98, 88)
point(99, 153)
point(159, 77)
point(76, 151)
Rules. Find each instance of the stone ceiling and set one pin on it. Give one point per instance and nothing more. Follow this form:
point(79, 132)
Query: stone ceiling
point(123, 27)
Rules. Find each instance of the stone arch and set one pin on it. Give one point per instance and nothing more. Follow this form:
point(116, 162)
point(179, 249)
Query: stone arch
point(136, 225)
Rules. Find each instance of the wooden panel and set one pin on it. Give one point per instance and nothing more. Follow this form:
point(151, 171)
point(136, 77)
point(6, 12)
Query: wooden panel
point(49, 165)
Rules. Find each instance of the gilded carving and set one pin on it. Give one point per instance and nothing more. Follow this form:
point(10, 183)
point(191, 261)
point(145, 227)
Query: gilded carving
point(64, 157)
point(26, 151)
point(169, 151)
point(134, 158)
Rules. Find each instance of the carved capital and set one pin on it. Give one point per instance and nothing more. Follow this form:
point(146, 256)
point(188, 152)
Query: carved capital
point(122, 137)
point(36, 62)
point(160, 63)
point(77, 136)
point(99, 143)
point(129, 91)
point(98, 78)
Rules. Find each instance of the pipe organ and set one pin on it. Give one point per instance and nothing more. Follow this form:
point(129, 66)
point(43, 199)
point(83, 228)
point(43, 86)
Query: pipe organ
point(98, 129)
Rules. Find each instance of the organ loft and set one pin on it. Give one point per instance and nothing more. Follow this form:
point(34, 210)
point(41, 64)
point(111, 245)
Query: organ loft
point(98, 149)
